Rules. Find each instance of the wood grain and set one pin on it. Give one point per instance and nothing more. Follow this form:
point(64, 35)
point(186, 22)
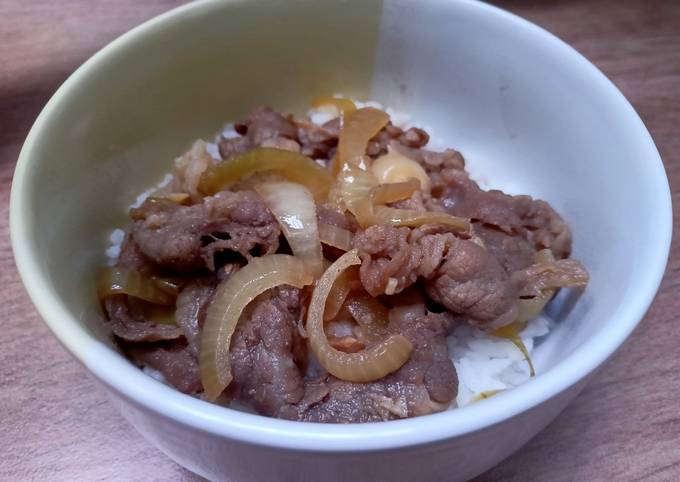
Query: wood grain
point(56, 423)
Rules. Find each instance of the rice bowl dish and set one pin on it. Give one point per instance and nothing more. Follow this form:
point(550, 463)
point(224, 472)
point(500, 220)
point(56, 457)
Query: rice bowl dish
point(489, 355)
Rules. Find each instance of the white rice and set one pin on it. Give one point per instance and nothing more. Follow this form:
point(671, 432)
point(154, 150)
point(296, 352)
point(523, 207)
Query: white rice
point(115, 240)
point(484, 363)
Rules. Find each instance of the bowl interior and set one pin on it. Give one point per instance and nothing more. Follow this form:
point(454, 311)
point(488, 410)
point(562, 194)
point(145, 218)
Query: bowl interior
point(529, 114)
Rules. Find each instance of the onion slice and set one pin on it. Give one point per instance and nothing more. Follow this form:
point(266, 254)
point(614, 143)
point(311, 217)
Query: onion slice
point(339, 292)
point(511, 332)
point(395, 167)
point(355, 187)
point(151, 312)
point(412, 218)
point(122, 281)
point(359, 188)
point(292, 165)
point(293, 207)
point(530, 308)
point(175, 197)
point(334, 236)
point(395, 191)
point(364, 366)
point(358, 128)
point(231, 298)
point(344, 106)
point(484, 395)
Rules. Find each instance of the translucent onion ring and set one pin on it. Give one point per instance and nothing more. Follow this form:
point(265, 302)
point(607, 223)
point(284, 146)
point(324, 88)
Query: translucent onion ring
point(357, 129)
point(293, 207)
point(334, 236)
point(358, 190)
point(395, 191)
point(122, 281)
point(339, 291)
point(292, 165)
point(364, 366)
point(345, 106)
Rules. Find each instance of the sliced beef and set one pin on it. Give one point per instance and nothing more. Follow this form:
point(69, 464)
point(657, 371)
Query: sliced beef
point(433, 162)
point(265, 123)
point(514, 215)
point(185, 238)
point(134, 328)
point(458, 273)
point(414, 137)
point(329, 215)
point(472, 282)
point(266, 352)
point(233, 146)
point(177, 364)
point(545, 228)
point(513, 252)
point(191, 307)
point(411, 138)
point(419, 201)
point(426, 383)
point(131, 257)
point(388, 253)
point(263, 127)
point(318, 142)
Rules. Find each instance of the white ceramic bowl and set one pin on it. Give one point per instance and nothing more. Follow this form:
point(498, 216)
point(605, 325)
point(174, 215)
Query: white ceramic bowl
point(529, 113)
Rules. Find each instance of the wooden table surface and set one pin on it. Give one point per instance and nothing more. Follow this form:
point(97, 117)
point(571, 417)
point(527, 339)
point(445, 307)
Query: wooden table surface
point(56, 424)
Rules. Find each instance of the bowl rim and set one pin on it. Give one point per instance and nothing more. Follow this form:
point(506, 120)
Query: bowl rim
point(149, 395)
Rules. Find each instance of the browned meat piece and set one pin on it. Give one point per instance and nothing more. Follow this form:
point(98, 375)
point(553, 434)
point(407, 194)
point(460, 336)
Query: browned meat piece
point(472, 282)
point(186, 237)
point(265, 351)
point(414, 138)
point(263, 127)
point(545, 228)
point(131, 257)
point(233, 146)
point(191, 307)
point(175, 362)
point(377, 146)
point(433, 162)
point(266, 128)
point(386, 253)
point(419, 201)
point(265, 123)
point(134, 328)
point(318, 141)
point(329, 215)
point(513, 252)
point(459, 274)
point(411, 138)
point(563, 273)
point(523, 215)
point(427, 383)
